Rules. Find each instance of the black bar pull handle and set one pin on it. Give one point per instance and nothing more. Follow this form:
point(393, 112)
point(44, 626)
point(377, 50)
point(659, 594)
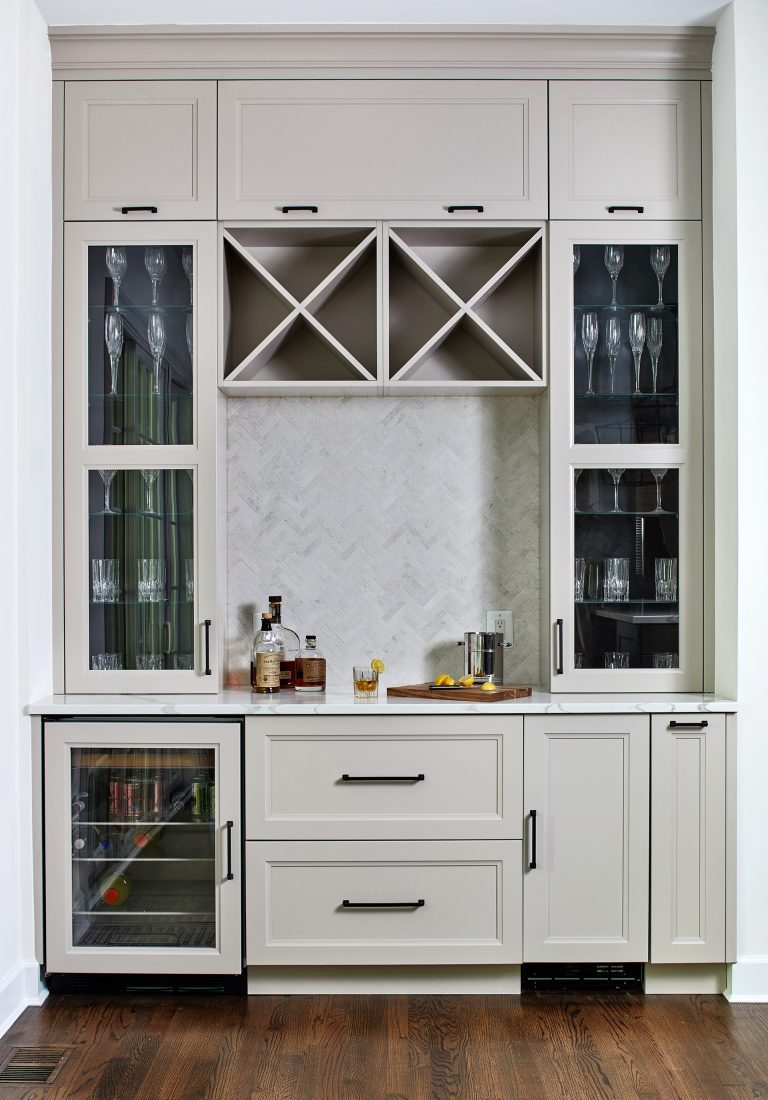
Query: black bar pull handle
point(637, 209)
point(137, 209)
point(453, 209)
point(382, 904)
point(207, 625)
point(229, 827)
point(688, 725)
point(532, 864)
point(560, 647)
point(383, 778)
point(288, 209)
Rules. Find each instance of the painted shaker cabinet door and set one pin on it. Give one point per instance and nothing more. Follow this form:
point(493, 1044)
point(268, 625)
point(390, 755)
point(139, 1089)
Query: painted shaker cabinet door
point(625, 144)
point(586, 873)
point(382, 149)
point(144, 144)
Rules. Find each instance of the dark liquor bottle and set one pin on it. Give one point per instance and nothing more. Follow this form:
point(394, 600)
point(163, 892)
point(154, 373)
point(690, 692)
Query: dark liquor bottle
point(310, 667)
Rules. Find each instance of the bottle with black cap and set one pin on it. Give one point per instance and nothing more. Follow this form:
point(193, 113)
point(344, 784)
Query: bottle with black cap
point(310, 667)
point(288, 640)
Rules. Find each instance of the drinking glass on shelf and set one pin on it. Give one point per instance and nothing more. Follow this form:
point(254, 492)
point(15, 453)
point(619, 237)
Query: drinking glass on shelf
point(666, 660)
point(615, 659)
point(107, 476)
point(580, 565)
point(187, 262)
point(593, 580)
point(578, 659)
point(576, 257)
point(665, 573)
point(589, 340)
point(154, 262)
point(660, 262)
point(117, 265)
point(616, 473)
point(188, 331)
point(149, 662)
point(184, 661)
point(637, 343)
point(113, 337)
point(105, 578)
point(653, 338)
point(659, 474)
point(156, 338)
point(189, 578)
point(151, 580)
point(107, 662)
point(615, 580)
point(150, 477)
point(612, 344)
point(366, 682)
point(614, 261)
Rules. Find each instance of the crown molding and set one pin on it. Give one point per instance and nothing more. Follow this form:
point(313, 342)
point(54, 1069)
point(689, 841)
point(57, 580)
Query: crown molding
point(413, 52)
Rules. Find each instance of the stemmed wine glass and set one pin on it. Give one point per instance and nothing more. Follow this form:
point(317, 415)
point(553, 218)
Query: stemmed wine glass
point(117, 265)
point(576, 257)
point(589, 340)
point(653, 338)
point(150, 477)
point(614, 261)
point(187, 262)
point(660, 263)
point(189, 334)
point(612, 344)
point(113, 336)
point(637, 343)
point(659, 475)
point(107, 477)
point(154, 261)
point(616, 473)
point(156, 337)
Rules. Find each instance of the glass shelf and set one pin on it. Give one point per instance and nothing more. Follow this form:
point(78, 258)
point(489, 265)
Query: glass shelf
point(141, 603)
point(668, 395)
point(637, 307)
point(618, 515)
point(116, 514)
point(132, 307)
point(99, 398)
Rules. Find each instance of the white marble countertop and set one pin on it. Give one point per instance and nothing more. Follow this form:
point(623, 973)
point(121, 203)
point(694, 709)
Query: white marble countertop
point(240, 701)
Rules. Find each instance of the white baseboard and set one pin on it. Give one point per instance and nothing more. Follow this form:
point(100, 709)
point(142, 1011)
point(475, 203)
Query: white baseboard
point(748, 979)
point(384, 979)
point(20, 988)
point(685, 978)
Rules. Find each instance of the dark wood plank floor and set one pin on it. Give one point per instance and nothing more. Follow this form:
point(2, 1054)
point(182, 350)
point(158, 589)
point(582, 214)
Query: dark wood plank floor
point(536, 1047)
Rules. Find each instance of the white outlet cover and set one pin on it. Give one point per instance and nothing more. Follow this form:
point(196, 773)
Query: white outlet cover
point(500, 622)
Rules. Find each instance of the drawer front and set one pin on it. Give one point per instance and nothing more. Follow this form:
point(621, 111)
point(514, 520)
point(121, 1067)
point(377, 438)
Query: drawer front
point(387, 778)
point(432, 902)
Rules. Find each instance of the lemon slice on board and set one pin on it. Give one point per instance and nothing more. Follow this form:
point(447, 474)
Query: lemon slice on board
point(487, 686)
point(377, 665)
point(466, 681)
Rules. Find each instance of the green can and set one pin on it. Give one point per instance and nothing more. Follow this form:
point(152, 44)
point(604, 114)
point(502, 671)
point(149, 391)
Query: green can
point(199, 798)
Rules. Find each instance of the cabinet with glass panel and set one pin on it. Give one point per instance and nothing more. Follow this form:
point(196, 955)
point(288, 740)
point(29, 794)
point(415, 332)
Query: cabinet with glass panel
point(140, 457)
point(626, 457)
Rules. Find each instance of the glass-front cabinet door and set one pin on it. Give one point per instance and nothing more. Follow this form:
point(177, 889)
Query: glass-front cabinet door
point(142, 847)
point(140, 444)
point(625, 449)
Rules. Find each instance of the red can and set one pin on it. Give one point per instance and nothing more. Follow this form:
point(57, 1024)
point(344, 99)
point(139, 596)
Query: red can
point(115, 797)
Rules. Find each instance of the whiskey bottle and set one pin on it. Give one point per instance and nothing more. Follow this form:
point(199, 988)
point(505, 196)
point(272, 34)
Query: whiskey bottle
point(310, 667)
point(266, 660)
point(288, 640)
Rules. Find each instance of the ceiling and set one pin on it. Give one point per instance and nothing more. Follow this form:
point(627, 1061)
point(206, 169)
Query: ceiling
point(563, 13)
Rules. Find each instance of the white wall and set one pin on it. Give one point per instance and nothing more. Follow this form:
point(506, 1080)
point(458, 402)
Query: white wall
point(741, 247)
point(25, 462)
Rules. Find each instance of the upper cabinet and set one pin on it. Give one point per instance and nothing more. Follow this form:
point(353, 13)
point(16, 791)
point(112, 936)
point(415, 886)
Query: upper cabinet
point(140, 150)
point(625, 149)
point(383, 149)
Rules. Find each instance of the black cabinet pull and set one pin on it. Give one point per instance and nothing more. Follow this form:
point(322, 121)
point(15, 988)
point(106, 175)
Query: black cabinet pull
point(136, 209)
point(207, 625)
point(559, 668)
point(382, 778)
point(229, 827)
point(382, 904)
point(688, 725)
point(532, 864)
point(288, 209)
point(453, 209)
point(637, 209)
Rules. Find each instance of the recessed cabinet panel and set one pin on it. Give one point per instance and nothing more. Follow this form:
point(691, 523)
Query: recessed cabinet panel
point(140, 144)
point(625, 149)
point(382, 149)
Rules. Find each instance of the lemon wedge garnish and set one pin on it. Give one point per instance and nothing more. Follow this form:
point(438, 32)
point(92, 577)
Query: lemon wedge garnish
point(377, 665)
point(487, 686)
point(443, 678)
point(466, 681)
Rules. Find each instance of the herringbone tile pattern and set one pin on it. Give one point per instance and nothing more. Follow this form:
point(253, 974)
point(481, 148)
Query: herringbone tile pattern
point(389, 525)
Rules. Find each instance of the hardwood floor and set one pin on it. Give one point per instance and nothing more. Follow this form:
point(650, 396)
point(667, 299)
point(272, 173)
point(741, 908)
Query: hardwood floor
point(535, 1047)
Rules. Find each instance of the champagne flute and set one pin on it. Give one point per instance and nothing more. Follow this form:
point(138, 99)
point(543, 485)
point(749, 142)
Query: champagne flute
point(154, 262)
point(613, 259)
point(612, 344)
point(637, 343)
point(113, 336)
point(156, 337)
point(654, 338)
point(660, 262)
point(107, 476)
point(187, 262)
point(589, 340)
point(117, 265)
point(150, 477)
point(576, 257)
point(659, 475)
point(616, 473)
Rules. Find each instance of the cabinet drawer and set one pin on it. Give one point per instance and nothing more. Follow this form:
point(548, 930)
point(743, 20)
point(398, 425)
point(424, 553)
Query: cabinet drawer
point(382, 148)
point(384, 778)
point(140, 143)
point(456, 902)
point(625, 143)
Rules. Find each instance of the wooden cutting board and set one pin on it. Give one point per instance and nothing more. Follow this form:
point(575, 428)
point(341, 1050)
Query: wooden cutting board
point(459, 694)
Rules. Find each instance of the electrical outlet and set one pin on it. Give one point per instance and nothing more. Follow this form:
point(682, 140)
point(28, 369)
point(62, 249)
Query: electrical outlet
point(500, 622)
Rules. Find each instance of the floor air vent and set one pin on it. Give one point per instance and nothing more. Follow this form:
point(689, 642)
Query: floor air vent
point(587, 977)
point(33, 1065)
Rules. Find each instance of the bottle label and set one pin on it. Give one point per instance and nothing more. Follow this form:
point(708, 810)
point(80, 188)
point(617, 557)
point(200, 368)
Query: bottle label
point(313, 670)
point(268, 671)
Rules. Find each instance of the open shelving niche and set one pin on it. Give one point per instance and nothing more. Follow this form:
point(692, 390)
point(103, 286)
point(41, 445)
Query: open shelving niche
point(328, 310)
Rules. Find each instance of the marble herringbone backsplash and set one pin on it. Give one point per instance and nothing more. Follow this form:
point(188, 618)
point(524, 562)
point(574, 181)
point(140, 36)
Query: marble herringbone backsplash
point(389, 526)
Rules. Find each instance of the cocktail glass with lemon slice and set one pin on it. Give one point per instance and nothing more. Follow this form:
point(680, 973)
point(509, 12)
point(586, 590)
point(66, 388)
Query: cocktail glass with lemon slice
point(366, 679)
